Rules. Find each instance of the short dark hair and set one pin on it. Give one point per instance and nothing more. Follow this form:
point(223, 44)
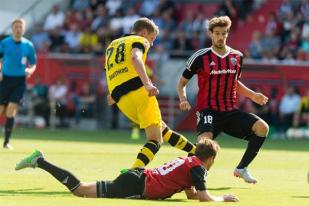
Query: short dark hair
point(221, 21)
point(206, 149)
point(145, 23)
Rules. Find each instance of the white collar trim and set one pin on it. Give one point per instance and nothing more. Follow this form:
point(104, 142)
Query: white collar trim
point(228, 50)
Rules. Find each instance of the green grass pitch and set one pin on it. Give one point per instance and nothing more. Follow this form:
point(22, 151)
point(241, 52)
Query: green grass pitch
point(281, 168)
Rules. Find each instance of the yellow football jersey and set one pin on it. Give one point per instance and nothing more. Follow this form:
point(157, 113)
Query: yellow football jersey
point(304, 104)
point(120, 73)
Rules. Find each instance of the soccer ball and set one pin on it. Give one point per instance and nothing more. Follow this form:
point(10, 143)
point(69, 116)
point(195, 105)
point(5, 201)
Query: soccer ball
point(39, 122)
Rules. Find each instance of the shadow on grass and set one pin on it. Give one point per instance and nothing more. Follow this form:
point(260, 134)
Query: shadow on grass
point(226, 188)
point(123, 137)
point(32, 191)
point(171, 200)
point(306, 197)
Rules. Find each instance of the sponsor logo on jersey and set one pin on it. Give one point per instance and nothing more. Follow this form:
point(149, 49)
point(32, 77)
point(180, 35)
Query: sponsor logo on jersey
point(223, 71)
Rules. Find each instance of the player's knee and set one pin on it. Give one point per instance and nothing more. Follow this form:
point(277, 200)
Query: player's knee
point(261, 128)
point(10, 112)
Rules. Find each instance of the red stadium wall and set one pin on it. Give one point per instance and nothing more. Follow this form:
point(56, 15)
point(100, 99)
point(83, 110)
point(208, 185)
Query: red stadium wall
point(80, 69)
point(70, 68)
point(265, 78)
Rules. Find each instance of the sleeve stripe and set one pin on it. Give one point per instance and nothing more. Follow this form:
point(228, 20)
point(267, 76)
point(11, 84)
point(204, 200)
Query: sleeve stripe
point(195, 55)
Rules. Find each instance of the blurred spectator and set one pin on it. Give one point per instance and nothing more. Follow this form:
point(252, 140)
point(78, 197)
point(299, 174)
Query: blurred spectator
point(301, 117)
point(77, 17)
point(293, 43)
point(54, 19)
point(167, 6)
point(148, 7)
point(196, 42)
point(72, 37)
point(287, 108)
point(181, 45)
point(304, 8)
point(113, 6)
point(40, 38)
point(58, 100)
point(255, 46)
point(244, 7)
point(87, 100)
point(167, 22)
point(102, 18)
point(88, 40)
point(104, 38)
point(40, 101)
point(200, 23)
point(79, 5)
point(285, 8)
point(186, 25)
point(273, 103)
point(93, 4)
point(289, 58)
point(74, 101)
point(56, 38)
point(270, 44)
point(129, 19)
point(227, 8)
point(273, 24)
point(69, 18)
point(305, 44)
point(116, 24)
point(305, 29)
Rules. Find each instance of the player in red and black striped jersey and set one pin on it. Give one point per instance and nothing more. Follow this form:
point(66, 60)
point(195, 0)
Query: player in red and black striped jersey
point(184, 173)
point(218, 71)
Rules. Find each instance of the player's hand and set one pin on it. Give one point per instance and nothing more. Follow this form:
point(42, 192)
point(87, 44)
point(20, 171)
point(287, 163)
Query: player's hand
point(184, 105)
point(152, 90)
point(230, 198)
point(28, 73)
point(110, 100)
point(260, 99)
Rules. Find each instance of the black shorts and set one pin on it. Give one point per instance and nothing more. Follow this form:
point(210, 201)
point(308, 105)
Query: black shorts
point(12, 89)
point(127, 185)
point(235, 123)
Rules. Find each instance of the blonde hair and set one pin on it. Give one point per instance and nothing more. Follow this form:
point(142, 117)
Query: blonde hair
point(19, 20)
point(145, 23)
point(221, 21)
point(206, 149)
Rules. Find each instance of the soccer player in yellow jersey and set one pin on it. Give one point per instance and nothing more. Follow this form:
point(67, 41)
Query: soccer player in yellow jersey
point(133, 92)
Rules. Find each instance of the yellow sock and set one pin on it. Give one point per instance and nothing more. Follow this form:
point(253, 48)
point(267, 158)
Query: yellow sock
point(146, 154)
point(177, 140)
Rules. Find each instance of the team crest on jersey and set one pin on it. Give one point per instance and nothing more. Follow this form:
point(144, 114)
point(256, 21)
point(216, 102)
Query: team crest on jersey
point(233, 61)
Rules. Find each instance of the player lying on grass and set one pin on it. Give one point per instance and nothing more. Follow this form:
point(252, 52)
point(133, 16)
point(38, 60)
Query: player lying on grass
point(182, 173)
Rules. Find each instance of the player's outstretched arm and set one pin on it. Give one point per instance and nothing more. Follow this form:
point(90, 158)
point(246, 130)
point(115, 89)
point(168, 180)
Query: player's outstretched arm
point(205, 196)
point(184, 105)
point(258, 98)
